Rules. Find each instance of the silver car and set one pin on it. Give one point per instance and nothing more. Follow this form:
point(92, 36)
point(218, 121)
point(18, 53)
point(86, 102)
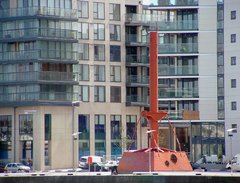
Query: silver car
point(16, 167)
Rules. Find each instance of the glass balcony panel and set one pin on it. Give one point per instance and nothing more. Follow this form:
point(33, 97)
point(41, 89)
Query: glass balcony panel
point(163, 25)
point(138, 99)
point(41, 11)
point(39, 54)
point(179, 3)
point(178, 48)
point(38, 96)
point(135, 59)
point(164, 70)
point(178, 93)
point(136, 39)
point(138, 79)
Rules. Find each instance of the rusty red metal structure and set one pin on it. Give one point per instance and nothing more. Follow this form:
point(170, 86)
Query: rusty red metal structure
point(154, 158)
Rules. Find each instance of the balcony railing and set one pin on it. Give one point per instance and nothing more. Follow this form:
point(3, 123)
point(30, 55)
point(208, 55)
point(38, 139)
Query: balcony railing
point(38, 32)
point(137, 39)
point(36, 76)
point(178, 93)
point(135, 59)
point(133, 79)
point(179, 3)
point(39, 11)
point(177, 70)
point(178, 25)
point(38, 54)
point(39, 96)
point(139, 100)
point(178, 48)
point(158, 22)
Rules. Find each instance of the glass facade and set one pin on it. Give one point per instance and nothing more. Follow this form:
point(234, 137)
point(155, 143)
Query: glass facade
point(84, 136)
point(100, 135)
point(207, 139)
point(29, 52)
point(116, 136)
point(6, 139)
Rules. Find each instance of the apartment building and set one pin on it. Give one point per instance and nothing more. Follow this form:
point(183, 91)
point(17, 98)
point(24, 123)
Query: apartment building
point(75, 78)
point(231, 74)
point(190, 50)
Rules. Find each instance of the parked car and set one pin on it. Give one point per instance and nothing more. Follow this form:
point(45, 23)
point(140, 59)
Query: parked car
point(197, 167)
point(16, 167)
point(83, 162)
point(108, 165)
point(234, 164)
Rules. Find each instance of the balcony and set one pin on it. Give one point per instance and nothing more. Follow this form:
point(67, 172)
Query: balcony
point(38, 97)
point(190, 115)
point(136, 40)
point(179, 3)
point(178, 25)
point(135, 60)
point(158, 22)
point(38, 33)
point(178, 48)
point(137, 100)
point(138, 19)
point(178, 93)
point(38, 76)
point(183, 115)
point(190, 70)
point(51, 55)
point(39, 12)
point(137, 80)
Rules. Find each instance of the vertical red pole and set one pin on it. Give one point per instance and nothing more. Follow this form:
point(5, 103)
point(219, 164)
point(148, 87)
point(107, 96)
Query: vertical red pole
point(153, 84)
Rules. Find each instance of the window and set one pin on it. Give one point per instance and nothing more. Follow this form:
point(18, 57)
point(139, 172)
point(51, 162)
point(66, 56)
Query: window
point(235, 128)
point(99, 32)
point(83, 51)
point(84, 93)
point(83, 72)
point(5, 128)
point(100, 121)
point(115, 126)
point(115, 94)
point(100, 134)
point(98, 10)
point(84, 137)
point(82, 9)
point(99, 52)
point(99, 94)
point(131, 133)
point(48, 126)
point(233, 15)
point(114, 12)
point(115, 73)
point(26, 126)
point(234, 106)
point(99, 73)
point(233, 60)
point(233, 38)
point(83, 30)
point(115, 53)
point(233, 83)
point(114, 31)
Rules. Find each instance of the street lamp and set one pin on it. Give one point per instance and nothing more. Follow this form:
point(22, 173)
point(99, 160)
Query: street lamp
point(149, 132)
point(74, 103)
point(230, 134)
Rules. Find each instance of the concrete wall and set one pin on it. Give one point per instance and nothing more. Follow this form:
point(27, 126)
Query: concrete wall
point(231, 72)
point(207, 59)
point(121, 179)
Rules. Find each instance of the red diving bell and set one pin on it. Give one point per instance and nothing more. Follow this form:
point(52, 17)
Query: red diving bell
point(154, 158)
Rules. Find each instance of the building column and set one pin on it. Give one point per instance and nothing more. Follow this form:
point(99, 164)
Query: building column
point(38, 141)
